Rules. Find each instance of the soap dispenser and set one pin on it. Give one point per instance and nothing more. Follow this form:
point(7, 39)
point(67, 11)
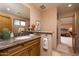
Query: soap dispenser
point(45, 42)
point(11, 35)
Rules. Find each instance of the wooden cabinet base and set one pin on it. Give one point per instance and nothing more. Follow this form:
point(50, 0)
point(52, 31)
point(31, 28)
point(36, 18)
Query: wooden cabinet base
point(31, 48)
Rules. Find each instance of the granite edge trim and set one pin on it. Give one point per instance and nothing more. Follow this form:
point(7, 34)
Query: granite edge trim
point(41, 32)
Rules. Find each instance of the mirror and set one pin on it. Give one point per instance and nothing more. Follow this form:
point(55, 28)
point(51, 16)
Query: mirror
point(17, 9)
point(14, 16)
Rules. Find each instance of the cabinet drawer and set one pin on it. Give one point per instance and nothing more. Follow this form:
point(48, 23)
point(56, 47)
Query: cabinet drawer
point(31, 42)
point(21, 52)
point(14, 49)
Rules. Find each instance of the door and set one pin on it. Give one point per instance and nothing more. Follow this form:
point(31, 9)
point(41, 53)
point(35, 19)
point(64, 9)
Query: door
point(65, 30)
point(76, 32)
point(35, 51)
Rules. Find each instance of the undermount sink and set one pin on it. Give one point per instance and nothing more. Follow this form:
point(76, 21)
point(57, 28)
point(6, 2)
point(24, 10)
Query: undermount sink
point(22, 37)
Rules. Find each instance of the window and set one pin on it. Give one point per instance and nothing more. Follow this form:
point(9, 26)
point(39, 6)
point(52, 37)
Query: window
point(16, 22)
point(22, 23)
point(19, 22)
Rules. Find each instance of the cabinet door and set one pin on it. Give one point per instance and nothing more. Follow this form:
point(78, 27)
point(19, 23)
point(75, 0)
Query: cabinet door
point(5, 22)
point(1, 24)
point(32, 49)
point(35, 51)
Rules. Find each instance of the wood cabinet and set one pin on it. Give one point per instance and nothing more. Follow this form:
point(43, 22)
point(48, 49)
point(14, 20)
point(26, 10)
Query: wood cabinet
point(35, 49)
point(31, 48)
point(5, 22)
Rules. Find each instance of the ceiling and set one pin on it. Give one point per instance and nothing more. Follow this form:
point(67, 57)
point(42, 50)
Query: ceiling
point(62, 7)
point(15, 9)
point(21, 10)
point(47, 5)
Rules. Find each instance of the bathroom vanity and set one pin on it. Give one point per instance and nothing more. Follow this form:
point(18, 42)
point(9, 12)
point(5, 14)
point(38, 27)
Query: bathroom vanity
point(24, 47)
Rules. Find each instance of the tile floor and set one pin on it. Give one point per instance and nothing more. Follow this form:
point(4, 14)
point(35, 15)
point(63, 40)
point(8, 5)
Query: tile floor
point(63, 50)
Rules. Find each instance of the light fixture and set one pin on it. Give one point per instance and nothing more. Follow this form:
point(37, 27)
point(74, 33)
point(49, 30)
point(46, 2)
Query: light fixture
point(43, 6)
point(8, 9)
point(69, 5)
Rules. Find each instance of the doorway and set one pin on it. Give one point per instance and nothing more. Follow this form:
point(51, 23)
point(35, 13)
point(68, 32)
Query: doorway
point(66, 29)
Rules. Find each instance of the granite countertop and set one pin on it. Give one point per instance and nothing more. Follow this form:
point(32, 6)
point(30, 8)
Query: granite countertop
point(12, 42)
point(42, 32)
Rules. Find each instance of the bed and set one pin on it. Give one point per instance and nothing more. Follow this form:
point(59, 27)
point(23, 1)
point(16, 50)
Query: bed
point(66, 37)
point(66, 32)
point(66, 40)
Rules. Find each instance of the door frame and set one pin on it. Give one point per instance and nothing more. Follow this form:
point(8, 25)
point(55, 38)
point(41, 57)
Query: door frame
point(74, 31)
point(58, 29)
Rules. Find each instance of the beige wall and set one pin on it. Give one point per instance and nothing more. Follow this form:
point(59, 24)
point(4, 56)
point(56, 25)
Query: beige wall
point(49, 23)
point(67, 26)
point(66, 14)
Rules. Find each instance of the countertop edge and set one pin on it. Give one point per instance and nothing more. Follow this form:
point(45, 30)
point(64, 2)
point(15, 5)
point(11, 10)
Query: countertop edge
point(41, 32)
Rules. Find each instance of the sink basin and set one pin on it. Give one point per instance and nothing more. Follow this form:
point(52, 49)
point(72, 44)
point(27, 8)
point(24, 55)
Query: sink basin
point(22, 37)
